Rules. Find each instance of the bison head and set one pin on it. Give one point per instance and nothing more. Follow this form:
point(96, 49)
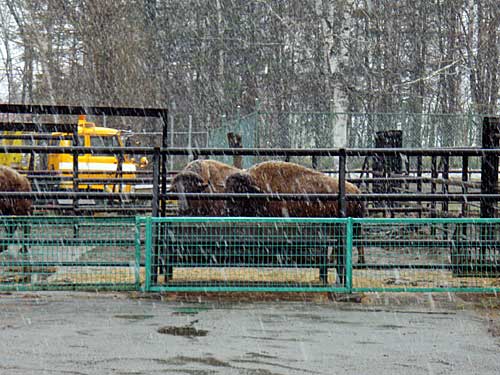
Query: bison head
point(188, 182)
point(242, 183)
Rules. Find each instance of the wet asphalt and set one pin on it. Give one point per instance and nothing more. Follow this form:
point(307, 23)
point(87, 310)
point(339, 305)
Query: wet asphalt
point(110, 333)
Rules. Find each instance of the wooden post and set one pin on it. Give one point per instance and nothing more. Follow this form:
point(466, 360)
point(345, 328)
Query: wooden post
point(489, 180)
point(387, 165)
point(489, 165)
point(234, 141)
point(315, 162)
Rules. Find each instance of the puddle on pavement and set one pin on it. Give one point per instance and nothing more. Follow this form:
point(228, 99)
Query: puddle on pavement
point(185, 331)
point(189, 310)
point(133, 316)
point(183, 360)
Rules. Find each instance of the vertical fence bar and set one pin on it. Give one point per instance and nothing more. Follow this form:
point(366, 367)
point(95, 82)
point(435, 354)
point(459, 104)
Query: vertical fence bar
point(156, 184)
point(434, 176)
point(148, 245)
point(342, 213)
point(348, 254)
point(163, 161)
point(465, 178)
point(172, 144)
point(76, 184)
point(342, 173)
point(137, 264)
point(445, 175)
point(163, 206)
point(419, 181)
point(155, 211)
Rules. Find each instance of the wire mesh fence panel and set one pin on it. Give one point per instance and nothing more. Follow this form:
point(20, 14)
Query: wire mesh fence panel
point(428, 254)
point(67, 252)
point(245, 126)
point(275, 254)
point(356, 129)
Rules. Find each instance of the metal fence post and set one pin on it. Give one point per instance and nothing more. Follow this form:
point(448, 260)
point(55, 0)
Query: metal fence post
point(419, 182)
point(434, 176)
point(348, 253)
point(155, 205)
point(465, 178)
point(445, 175)
point(137, 265)
point(342, 213)
point(342, 173)
point(76, 184)
point(148, 247)
point(163, 159)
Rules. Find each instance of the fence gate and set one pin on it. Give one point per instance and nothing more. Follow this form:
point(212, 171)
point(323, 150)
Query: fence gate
point(246, 254)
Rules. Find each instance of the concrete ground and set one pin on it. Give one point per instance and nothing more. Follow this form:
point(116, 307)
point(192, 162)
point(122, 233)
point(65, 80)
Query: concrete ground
point(123, 333)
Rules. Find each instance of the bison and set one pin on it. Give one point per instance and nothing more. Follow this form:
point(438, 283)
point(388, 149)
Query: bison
point(12, 181)
point(202, 176)
point(283, 177)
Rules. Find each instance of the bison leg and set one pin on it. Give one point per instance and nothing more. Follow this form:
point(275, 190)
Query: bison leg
point(10, 229)
point(26, 236)
point(358, 234)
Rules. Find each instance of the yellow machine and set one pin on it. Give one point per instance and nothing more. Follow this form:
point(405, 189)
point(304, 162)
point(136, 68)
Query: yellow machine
point(13, 160)
point(92, 165)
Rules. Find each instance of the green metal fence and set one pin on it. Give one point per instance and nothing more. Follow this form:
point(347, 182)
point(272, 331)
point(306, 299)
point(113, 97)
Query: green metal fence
point(250, 254)
point(68, 252)
point(428, 255)
point(292, 254)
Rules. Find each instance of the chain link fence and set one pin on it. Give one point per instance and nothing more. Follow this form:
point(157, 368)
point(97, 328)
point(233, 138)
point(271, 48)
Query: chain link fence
point(350, 129)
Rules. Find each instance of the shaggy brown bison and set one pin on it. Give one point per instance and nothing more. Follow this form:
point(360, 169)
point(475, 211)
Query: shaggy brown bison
point(283, 177)
point(202, 176)
point(12, 181)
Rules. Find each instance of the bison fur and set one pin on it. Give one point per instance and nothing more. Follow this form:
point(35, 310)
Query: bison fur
point(282, 178)
point(201, 176)
point(12, 181)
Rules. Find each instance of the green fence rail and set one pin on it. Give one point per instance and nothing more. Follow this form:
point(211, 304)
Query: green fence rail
point(250, 254)
point(297, 254)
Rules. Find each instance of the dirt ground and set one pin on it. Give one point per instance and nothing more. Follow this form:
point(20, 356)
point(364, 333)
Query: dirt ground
point(133, 333)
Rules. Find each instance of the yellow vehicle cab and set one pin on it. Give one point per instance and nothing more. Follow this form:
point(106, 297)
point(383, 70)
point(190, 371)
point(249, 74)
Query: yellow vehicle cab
point(93, 165)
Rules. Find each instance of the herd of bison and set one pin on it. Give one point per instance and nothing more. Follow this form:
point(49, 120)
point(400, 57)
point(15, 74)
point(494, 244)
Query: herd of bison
point(210, 176)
